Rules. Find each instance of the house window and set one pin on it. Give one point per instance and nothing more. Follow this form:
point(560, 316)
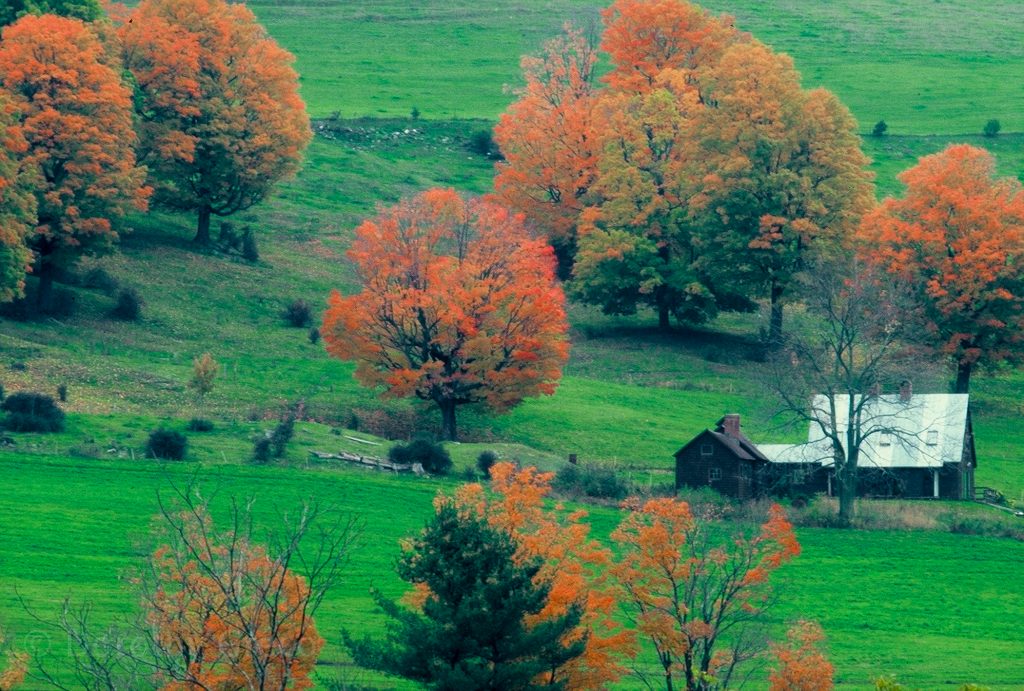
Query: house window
point(714, 474)
point(886, 439)
point(932, 437)
point(707, 450)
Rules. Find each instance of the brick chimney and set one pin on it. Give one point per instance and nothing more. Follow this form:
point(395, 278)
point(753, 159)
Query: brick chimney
point(906, 391)
point(731, 425)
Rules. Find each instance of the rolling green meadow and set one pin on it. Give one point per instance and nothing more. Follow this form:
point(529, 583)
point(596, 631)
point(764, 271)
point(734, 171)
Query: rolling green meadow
point(934, 609)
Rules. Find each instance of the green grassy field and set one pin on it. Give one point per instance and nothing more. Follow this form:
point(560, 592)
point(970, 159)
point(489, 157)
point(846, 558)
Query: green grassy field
point(897, 603)
point(890, 602)
point(924, 66)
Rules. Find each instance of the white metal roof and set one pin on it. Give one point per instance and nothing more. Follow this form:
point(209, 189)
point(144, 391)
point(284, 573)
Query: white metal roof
point(924, 432)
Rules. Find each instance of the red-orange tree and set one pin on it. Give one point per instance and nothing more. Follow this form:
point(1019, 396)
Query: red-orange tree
point(548, 142)
point(459, 305)
point(800, 663)
point(75, 114)
point(17, 204)
point(574, 565)
point(958, 235)
point(222, 120)
point(693, 597)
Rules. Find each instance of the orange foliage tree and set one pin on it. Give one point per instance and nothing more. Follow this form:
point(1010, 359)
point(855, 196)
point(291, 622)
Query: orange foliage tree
point(75, 114)
point(574, 564)
point(459, 305)
point(14, 667)
point(221, 116)
point(547, 140)
point(800, 663)
point(218, 609)
point(17, 204)
point(957, 234)
point(694, 598)
point(778, 176)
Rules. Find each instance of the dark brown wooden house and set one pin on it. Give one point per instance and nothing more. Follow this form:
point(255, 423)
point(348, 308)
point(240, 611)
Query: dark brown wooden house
point(924, 449)
point(722, 458)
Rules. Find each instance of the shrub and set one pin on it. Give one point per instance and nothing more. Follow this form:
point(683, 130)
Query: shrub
point(313, 335)
point(991, 128)
point(298, 314)
point(198, 424)
point(1, 393)
point(281, 435)
point(62, 393)
point(32, 412)
point(485, 460)
point(432, 456)
point(482, 142)
point(590, 480)
point(414, 113)
point(879, 129)
point(250, 252)
point(97, 278)
point(166, 445)
point(129, 305)
point(204, 373)
point(261, 449)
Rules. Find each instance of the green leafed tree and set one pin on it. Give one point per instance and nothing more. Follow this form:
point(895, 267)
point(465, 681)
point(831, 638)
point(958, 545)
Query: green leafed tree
point(87, 10)
point(472, 628)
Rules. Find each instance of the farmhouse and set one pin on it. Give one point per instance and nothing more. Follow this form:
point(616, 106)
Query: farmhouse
point(919, 446)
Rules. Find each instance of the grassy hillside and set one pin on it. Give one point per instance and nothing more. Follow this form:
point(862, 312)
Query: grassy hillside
point(924, 66)
point(890, 602)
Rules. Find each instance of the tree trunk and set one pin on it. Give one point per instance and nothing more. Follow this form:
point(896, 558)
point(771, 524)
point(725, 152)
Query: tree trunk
point(846, 478)
point(203, 229)
point(448, 427)
point(775, 321)
point(963, 377)
point(663, 314)
point(44, 296)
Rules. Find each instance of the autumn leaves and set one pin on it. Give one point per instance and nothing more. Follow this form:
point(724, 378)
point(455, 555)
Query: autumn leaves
point(185, 103)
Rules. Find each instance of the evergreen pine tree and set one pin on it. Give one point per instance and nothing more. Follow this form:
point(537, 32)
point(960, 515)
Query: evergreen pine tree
point(470, 632)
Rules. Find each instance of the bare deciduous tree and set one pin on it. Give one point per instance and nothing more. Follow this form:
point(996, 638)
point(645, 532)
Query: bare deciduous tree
point(830, 373)
point(218, 608)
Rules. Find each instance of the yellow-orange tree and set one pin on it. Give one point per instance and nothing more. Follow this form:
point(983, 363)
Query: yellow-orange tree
point(221, 117)
point(75, 114)
point(693, 597)
point(800, 663)
point(17, 204)
point(957, 234)
point(459, 305)
point(573, 564)
point(778, 176)
point(547, 140)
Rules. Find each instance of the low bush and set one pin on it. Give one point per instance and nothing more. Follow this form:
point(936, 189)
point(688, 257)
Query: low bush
point(591, 480)
point(198, 424)
point(879, 129)
point(261, 449)
point(432, 456)
point(313, 335)
point(32, 412)
point(62, 393)
point(166, 445)
point(250, 252)
point(485, 461)
point(129, 305)
point(98, 278)
point(991, 128)
point(298, 314)
point(281, 435)
point(482, 142)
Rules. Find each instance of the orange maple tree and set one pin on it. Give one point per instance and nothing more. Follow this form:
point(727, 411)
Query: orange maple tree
point(800, 663)
point(221, 116)
point(14, 665)
point(75, 115)
point(547, 140)
point(243, 624)
point(459, 305)
point(17, 204)
point(574, 564)
point(692, 596)
point(644, 38)
point(958, 235)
